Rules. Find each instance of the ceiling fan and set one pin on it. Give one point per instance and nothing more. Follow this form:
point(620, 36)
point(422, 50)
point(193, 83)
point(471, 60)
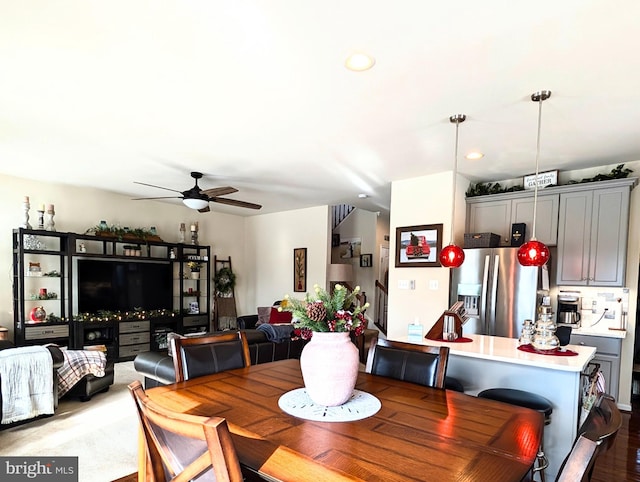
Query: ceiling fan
point(199, 199)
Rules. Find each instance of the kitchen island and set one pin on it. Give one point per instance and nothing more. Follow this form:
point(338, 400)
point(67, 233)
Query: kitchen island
point(496, 362)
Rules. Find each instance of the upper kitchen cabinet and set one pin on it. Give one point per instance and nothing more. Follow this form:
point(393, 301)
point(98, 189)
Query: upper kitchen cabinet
point(592, 234)
point(496, 213)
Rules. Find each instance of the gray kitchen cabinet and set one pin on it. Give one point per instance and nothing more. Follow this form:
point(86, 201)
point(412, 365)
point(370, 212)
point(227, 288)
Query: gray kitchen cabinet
point(497, 215)
point(592, 237)
point(607, 356)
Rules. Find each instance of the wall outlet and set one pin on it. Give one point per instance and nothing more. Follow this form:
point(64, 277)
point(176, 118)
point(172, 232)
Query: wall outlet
point(433, 284)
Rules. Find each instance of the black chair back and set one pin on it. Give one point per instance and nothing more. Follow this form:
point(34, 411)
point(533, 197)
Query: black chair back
point(195, 357)
point(421, 364)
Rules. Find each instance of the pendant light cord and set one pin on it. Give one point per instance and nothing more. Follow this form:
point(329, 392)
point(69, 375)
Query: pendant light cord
point(455, 175)
point(535, 192)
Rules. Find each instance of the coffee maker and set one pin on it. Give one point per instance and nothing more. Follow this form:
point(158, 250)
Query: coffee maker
point(569, 303)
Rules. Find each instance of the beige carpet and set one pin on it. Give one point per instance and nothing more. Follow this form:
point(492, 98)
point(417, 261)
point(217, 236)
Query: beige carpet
point(102, 433)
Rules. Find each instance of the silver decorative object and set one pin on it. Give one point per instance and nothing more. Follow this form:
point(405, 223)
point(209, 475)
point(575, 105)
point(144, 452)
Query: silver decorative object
point(545, 337)
point(51, 225)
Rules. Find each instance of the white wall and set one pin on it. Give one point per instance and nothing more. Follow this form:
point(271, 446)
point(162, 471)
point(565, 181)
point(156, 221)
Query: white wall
point(418, 201)
point(270, 241)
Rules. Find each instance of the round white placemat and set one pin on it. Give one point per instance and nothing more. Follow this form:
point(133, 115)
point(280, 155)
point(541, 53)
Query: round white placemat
point(360, 405)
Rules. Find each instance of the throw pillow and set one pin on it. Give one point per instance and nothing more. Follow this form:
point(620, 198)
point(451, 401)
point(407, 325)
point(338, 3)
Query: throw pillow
point(279, 316)
point(263, 315)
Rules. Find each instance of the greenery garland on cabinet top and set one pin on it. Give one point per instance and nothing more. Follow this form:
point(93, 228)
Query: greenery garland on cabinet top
point(483, 189)
point(141, 234)
point(224, 280)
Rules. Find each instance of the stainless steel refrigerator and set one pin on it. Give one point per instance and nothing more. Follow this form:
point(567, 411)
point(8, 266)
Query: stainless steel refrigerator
point(498, 293)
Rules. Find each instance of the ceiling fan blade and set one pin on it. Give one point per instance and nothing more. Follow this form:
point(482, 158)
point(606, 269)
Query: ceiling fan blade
point(204, 210)
point(234, 202)
point(162, 197)
point(159, 187)
point(218, 191)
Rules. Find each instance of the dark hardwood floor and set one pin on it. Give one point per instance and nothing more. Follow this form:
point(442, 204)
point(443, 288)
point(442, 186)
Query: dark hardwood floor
point(622, 462)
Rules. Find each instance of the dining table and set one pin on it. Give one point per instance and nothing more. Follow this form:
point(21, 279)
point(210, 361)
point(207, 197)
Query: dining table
point(413, 433)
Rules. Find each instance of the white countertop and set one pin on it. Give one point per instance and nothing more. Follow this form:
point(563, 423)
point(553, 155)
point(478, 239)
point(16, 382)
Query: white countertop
point(506, 350)
point(599, 331)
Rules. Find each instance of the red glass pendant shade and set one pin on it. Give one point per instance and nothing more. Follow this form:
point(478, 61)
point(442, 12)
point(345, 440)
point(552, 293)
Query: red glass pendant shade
point(451, 256)
point(533, 253)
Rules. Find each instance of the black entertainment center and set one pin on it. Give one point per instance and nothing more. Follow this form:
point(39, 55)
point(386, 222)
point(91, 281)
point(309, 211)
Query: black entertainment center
point(96, 291)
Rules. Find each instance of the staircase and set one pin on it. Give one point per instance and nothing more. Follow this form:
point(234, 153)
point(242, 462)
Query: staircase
point(339, 213)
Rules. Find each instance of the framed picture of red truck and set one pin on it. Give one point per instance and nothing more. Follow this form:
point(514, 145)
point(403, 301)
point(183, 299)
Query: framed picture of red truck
point(418, 246)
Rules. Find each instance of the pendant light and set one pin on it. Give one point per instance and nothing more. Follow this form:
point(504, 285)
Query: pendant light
point(533, 252)
point(452, 256)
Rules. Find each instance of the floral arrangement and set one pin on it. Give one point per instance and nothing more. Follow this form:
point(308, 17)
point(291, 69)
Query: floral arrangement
point(338, 312)
point(194, 265)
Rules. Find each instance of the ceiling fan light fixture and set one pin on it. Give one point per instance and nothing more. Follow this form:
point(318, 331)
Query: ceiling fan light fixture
point(359, 62)
point(534, 252)
point(452, 256)
point(195, 203)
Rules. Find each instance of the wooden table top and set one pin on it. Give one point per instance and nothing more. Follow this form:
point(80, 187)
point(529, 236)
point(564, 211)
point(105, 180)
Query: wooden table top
point(419, 433)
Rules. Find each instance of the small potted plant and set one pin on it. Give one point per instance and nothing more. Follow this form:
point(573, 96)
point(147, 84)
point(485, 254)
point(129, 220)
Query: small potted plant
point(194, 266)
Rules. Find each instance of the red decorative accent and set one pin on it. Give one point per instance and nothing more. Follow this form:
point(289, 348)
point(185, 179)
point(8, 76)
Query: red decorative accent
point(460, 339)
point(555, 351)
point(451, 256)
point(38, 314)
point(280, 316)
point(533, 253)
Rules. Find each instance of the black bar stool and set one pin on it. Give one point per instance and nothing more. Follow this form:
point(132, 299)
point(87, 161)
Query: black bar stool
point(530, 400)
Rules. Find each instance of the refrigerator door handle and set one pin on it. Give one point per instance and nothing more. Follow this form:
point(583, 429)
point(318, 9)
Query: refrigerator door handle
point(494, 294)
point(483, 298)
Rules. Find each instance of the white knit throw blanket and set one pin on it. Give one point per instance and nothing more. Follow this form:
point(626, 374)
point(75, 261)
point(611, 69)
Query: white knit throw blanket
point(26, 376)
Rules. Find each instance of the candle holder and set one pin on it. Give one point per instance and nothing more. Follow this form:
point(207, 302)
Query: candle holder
point(194, 238)
point(51, 225)
point(181, 233)
point(40, 219)
point(25, 223)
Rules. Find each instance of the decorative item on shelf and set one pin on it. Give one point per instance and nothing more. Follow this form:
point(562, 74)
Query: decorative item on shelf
point(43, 294)
point(103, 225)
point(194, 266)
point(194, 233)
point(52, 274)
point(123, 234)
point(528, 330)
point(533, 252)
point(224, 282)
point(452, 256)
point(330, 361)
point(33, 243)
point(26, 206)
point(51, 225)
point(34, 269)
point(194, 308)
point(136, 314)
point(172, 253)
point(518, 232)
point(181, 233)
point(82, 248)
point(153, 231)
point(41, 217)
point(38, 314)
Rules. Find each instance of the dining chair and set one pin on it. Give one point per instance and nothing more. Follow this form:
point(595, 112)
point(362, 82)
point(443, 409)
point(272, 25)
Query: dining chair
point(182, 447)
point(595, 436)
point(421, 364)
point(204, 355)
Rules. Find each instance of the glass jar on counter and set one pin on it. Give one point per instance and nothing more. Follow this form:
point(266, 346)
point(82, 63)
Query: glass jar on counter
point(528, 330)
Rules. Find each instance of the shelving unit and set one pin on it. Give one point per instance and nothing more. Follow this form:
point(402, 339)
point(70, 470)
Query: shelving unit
point(56, 252)
point(40, 278)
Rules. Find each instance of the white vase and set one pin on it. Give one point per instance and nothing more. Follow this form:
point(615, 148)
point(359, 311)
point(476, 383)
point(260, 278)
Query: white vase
point(329, 364)
point(195, 275)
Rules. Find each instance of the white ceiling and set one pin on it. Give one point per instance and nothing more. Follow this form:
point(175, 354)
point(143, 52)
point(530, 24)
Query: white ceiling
point(254, 93)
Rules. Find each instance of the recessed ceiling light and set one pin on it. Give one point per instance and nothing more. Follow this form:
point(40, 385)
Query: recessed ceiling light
point(474, 156)
point(362, 195)
point(359, 62)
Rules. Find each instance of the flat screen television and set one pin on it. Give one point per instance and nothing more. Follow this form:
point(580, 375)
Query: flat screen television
point(120, 285)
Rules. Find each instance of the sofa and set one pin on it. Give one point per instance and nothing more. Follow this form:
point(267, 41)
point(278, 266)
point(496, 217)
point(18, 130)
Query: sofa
point(157, 367)
point(58, 360)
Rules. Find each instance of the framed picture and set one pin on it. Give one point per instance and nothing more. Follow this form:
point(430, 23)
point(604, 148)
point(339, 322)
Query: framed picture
point(300, 269)
point(366, 260)
point(547, 178)
point(418, 246)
